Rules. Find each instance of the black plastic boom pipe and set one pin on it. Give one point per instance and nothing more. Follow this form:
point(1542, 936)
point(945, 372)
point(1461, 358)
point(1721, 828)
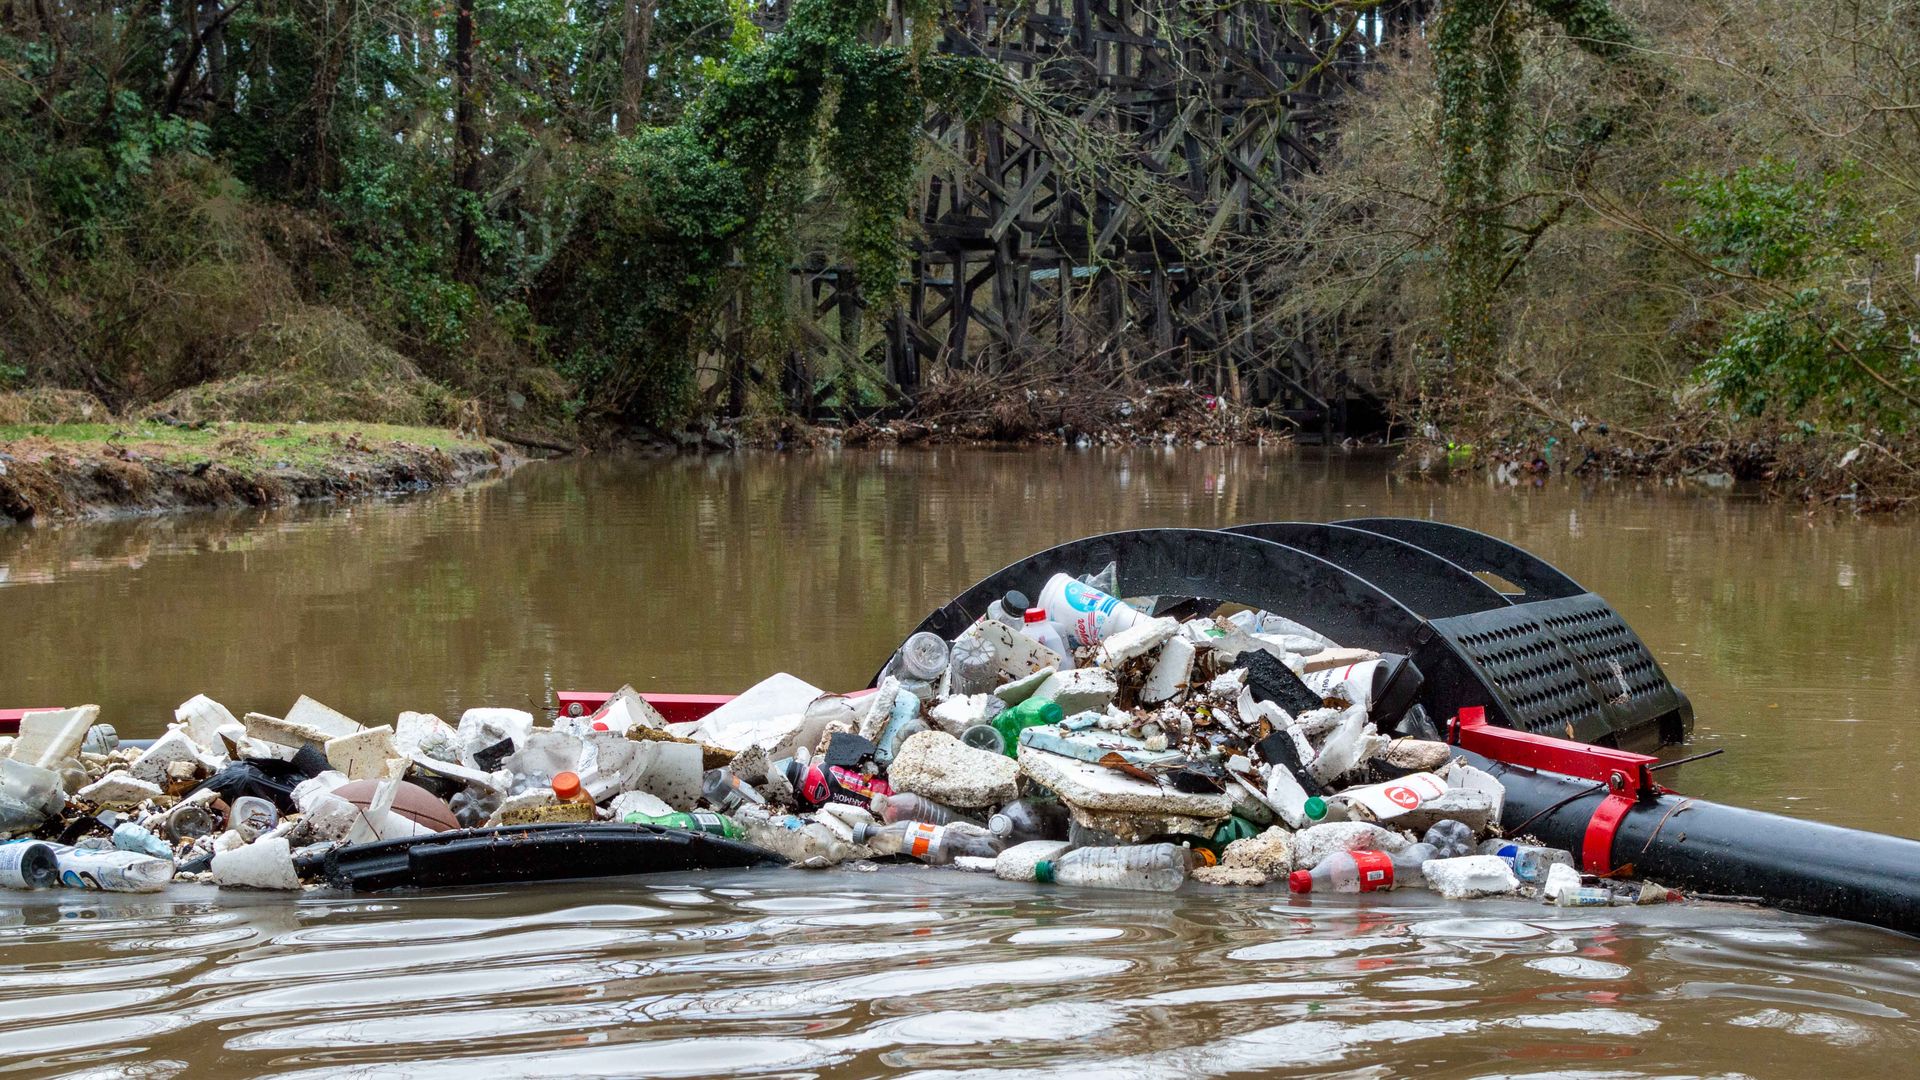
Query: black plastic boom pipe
point(1805, 866)
point(1425, 582)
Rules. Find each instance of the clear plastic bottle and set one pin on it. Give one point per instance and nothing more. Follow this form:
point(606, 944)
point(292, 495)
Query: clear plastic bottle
point(984, 737)
point(1010, 609)
point(1450, 838)
point(806, 843)
point(727, 792)
point(970, 668)
point(1037, 627)
point(908, 807)
point(1320, 810)
point(1029, 819)
point(1364, 871)
point(1143, 867)
point(1530, 861)
point(924, 657)
point(936, 844)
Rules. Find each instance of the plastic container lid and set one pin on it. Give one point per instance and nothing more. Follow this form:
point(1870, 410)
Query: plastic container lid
point(1315, 808)
point(1043, 871)
point(1035, 615)
point(1000, 825)
point(1300, 881)
point(566, 786)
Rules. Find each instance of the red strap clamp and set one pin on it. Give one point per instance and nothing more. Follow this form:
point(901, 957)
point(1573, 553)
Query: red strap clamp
point(1625, 774)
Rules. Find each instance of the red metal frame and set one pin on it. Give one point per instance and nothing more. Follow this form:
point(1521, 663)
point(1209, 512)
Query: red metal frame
point(1626, 774)
point(674, 708)
point(10, 718)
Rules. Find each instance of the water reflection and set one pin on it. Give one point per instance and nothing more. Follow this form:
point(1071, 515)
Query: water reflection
point(956, 976)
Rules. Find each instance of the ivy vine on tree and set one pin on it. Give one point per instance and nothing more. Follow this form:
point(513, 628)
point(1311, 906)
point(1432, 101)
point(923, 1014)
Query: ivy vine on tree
point(1477, 60)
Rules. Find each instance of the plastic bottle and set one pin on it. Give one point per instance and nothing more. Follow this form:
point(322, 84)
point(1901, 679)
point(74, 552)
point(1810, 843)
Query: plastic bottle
point(970, 667)
point(985, 737)
point(936, 844)
point(822, 784)
point(101, 739)
point(1032, 712)
point(1320, 810)
point(1383, 802)
point(1029, 819)
point(1450, 839)
point(1085, 615)
point(28, 864)
point(190, 820)
point(908, 807)
point(902, 723)
point(252, 817)
point(1039, 629)
point(1530, 861)
point(725, 791)
point(924, 657)
point(1364, 871)
point(1144, 867)
point(1010, 609)
point(806, 843)
point(111, 871)
point(17, 816)
point(703, 821)
point(568, 789)
point(128, 836)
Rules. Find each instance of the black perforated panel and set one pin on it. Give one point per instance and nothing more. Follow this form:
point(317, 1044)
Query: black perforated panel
point(1566, 667)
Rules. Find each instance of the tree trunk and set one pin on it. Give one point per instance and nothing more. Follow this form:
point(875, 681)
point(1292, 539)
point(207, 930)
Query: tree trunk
point(466, 140)
point(635, 35)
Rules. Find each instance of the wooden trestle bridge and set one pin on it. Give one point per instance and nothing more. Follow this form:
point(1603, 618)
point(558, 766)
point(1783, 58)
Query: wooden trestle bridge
point(1027, 248)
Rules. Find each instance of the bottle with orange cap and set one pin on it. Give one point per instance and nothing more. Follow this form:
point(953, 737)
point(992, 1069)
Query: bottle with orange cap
point(568, 789)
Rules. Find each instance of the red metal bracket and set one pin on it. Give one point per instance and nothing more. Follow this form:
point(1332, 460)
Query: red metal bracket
point(1626, 774)
point(10, 718)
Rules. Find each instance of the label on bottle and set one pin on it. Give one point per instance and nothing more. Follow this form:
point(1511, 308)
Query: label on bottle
point(1376, 870)
point(921, 838)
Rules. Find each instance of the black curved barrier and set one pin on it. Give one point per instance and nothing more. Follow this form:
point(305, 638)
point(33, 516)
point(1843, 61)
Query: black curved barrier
point(1211, 563)
point(1565, 665)
point(1476, 551)
point(1425, 582)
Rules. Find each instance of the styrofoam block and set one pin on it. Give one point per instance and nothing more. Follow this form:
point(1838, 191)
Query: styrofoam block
point(47, 738)
point(267, 863)
point(946, 770)
point(362, 755)
point(1097, 787)
point(1469, 876)
point(152, 763)
point(310, 713)
point(1170, 673)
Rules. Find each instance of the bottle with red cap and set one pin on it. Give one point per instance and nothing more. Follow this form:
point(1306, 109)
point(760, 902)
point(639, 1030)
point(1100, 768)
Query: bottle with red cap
point(1038, 627)
point(1365, 871)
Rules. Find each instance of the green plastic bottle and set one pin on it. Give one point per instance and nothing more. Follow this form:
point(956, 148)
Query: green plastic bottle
point(699, 821)
point(1234, 828)
point(1017, 718)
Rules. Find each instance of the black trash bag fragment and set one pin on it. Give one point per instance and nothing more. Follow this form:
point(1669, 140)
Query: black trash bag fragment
point(266, 778)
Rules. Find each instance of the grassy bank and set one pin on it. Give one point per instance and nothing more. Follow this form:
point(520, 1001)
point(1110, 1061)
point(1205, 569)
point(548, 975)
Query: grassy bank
point(85, 469)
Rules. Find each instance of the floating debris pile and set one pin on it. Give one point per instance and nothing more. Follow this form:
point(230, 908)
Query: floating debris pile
point(1078, 740)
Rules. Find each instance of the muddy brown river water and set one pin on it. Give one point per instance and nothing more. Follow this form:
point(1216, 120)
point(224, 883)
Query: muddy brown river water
point(1797, 638)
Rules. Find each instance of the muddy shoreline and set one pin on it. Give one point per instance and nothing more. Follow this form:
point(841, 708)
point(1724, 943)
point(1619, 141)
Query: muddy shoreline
point(44, 477)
